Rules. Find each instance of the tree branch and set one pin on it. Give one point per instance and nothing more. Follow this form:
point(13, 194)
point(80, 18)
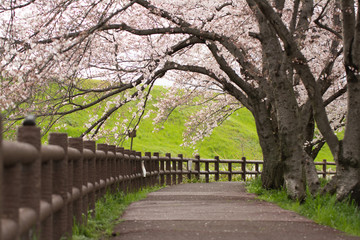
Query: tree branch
point(299, 62)
point(226, 85)
point(239, 54)
point(336, 95)
point(323, 26)
point(223, 5)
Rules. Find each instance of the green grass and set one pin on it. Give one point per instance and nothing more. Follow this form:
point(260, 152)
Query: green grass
point(324, 153)
point(323, 209)
point(107, 214)
point(235, 138)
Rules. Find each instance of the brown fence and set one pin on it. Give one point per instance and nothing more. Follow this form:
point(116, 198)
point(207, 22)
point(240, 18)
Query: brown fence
point(219, 169)
point(44, 187)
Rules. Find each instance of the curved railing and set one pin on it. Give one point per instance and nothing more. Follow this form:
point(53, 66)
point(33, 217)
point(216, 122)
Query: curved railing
point(44, 187)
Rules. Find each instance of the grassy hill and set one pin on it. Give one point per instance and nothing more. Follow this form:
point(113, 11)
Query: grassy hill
point(235, 138)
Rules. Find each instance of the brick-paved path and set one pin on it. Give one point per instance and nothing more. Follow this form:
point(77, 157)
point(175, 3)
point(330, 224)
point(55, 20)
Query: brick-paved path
point(219, 210)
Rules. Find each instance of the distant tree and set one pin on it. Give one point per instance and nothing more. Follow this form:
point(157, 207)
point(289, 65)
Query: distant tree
point(282, 61)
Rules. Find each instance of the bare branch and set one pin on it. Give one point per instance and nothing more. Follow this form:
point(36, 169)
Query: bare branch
point(219, 8)
point(335, 96)
point(17, 6)
point(323, 26)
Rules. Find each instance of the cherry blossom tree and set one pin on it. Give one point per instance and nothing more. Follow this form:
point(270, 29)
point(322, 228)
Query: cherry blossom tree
point(280, 59)
point(344, 151)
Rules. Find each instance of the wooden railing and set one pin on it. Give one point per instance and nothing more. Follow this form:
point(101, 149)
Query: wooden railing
point(44, 187)
point(206, 168)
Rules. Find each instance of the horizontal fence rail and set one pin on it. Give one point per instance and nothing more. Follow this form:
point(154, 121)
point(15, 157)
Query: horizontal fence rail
point(43, 188)
point(218, 168)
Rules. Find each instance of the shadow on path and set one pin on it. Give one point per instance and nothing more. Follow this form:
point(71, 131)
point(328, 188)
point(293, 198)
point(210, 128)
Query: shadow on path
point(219, 210)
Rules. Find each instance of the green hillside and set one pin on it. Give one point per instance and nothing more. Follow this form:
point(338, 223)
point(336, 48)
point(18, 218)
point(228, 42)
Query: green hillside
point(235, 138)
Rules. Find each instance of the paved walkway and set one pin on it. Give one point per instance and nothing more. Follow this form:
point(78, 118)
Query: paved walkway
point(219, 210)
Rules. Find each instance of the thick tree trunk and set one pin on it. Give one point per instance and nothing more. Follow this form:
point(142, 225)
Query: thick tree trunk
point(348, 182)
point(287, 140)
point(283, 155)
point(290, 130)
point(307, 120)
point(348, 169)
point(273, 171)
point(312, 179)
point(294, 173)
point(272, 176)
point(290, 140)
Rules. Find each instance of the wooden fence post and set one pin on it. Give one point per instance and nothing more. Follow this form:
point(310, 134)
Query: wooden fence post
point(121, 168)
point(257, 169)
point(243, 168)
point(197, 166)
point(127, 166)
point(10, 195)
point(158, 168)
point(136, 170)
point(173, 171)
point(324, 168)
point(207, 174)
point(97, 174)
point(112, 168)
point(85, 184)
point(189, 168)
point(46, 196)
point(77, 143)
point(168, 169)
point(133, 171)
point(91, 172)
point(180, 168)
point(230, 171)
point(149, 166)
point(217, 168)
point(154, 164)
point(140, 179)
point(11, 198)
point(60, 185)
point(31, 175)
point(103, 168)
point(128, 170)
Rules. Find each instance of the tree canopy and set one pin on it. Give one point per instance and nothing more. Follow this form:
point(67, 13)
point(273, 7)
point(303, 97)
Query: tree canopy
point(293, 64)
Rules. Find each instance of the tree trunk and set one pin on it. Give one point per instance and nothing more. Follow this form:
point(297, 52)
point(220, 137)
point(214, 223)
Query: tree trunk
point(312, 179)
point(294, 173)
point(290, 130)
point(287, 140)
point(307, 120)
point(273, 171)
point(348, 169)
point(283, 155)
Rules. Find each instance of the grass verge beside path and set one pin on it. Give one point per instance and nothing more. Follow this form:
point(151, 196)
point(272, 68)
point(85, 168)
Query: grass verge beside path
point(325, 210)
point(107, 214)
